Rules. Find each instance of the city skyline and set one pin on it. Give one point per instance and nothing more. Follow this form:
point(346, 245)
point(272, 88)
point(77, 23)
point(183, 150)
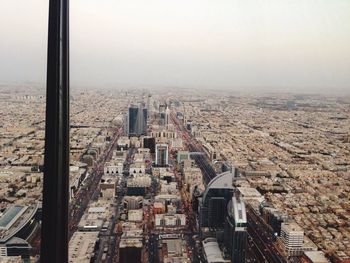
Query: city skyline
point(234, 45)
point(247, 177)
point(195, 131)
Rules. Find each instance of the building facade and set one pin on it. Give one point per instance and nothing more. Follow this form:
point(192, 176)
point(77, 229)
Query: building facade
point(236, 230)
point(162, 155)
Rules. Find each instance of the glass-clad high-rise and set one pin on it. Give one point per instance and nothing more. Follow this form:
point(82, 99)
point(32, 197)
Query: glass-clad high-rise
point(236, 230)
point(213, 205)
point(136, 120)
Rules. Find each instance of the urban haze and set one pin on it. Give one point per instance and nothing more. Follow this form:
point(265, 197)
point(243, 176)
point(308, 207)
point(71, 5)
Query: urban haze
point(198, 132)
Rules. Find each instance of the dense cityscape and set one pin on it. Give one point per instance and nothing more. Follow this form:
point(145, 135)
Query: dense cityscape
point(172, 176)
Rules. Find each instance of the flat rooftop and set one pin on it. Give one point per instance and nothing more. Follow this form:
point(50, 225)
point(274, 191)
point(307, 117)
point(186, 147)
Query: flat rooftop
point(212, 251)
point(130, 242)
point(316, 256)
point(249, 192)
point(82, 246)
point(292, 227)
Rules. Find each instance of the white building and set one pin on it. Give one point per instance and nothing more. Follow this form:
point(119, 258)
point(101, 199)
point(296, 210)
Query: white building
point(175, 220)
point(114, 168)
point(137, 169)
point(249, 194)
point(292, 238)
point(212, 251)
point(135, 215)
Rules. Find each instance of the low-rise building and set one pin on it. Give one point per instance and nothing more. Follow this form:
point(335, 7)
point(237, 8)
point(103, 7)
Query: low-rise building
point(82, 247)
point(167, 220)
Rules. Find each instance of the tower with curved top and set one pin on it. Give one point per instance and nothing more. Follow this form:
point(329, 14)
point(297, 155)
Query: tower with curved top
point(213, 204)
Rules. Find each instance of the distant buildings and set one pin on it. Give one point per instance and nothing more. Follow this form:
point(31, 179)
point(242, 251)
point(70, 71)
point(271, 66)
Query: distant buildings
point(291, 163)
point(136, 120)
point(182, 155)
point(164, 115)
point(167, 220)
point(162, 155)
point(300, 165)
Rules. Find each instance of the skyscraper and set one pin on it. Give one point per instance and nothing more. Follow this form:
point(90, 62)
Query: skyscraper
point(164, 115)
point(148, 106)
point(162, 158)
point(136, 121)
point(144, 120)
point(213, 205)
point(236, 230)
point(132, 120)
point(167, 116)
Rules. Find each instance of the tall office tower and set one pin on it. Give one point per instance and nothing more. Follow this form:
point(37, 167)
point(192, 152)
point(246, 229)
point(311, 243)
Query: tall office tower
point(167, 116)
point(137, 120)
point(292, 238)
point(132, 120)
point(236, 230)
point(148, 106)
point(126, 124)
point(213, 205)
point(162, 114)
point(162, 155)
point(162, 117)
point(144, 121)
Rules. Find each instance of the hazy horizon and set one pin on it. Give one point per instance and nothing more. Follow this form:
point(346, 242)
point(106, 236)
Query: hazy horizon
point(301, 46)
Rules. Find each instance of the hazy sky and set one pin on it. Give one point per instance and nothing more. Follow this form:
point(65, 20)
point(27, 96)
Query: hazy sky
point(210, 43)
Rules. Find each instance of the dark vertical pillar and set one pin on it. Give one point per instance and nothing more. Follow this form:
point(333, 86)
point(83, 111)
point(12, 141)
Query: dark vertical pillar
point(54, 236)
